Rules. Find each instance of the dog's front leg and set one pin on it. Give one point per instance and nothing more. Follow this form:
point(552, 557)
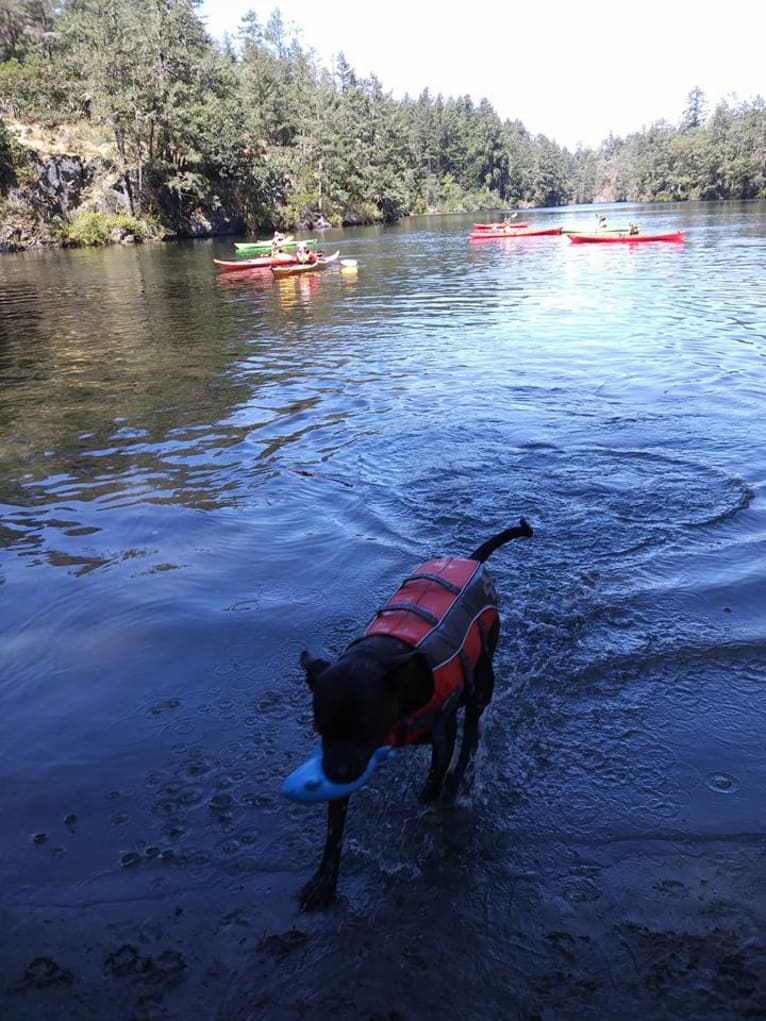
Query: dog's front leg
point(442, 747)
point(319, 892)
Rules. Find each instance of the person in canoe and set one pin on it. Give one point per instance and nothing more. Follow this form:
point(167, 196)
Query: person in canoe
point(304, 254)
point(632, 228)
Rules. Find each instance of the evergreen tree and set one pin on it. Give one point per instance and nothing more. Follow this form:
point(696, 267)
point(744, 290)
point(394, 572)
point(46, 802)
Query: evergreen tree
point(695, 110)
point(25, 28)
point(143, 69)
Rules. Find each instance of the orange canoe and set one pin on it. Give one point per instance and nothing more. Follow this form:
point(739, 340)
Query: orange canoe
point(262, 262)
point(498, 226)
point(532, 232)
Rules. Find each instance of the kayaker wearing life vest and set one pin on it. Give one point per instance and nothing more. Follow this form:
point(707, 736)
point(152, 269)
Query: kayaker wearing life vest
point(304, 254)
point(632, 228)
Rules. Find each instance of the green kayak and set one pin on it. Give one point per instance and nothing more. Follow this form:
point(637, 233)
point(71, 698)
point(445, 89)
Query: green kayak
point(265, 246)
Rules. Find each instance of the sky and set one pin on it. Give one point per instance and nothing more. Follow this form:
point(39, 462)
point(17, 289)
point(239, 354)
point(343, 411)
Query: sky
point(574, 71)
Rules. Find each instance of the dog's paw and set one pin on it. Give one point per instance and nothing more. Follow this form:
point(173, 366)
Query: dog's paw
point(318, 893)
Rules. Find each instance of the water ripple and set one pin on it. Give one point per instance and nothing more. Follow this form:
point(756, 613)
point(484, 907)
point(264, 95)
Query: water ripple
point(204, 474)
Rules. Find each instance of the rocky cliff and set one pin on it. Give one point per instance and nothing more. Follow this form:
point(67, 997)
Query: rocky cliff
point(60, 173)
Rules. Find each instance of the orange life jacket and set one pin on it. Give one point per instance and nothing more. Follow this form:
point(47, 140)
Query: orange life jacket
point(444, 610)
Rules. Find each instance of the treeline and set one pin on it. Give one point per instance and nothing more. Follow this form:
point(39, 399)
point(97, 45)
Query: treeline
point(259, 127)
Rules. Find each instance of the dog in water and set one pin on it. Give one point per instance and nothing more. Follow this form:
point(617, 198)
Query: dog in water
point(427, 653)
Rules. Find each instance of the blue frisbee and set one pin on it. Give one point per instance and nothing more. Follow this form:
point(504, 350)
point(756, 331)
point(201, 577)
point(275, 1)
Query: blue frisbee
point(308, 784)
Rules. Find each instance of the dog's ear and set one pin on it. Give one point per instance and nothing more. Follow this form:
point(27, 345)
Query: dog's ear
point(313, 667)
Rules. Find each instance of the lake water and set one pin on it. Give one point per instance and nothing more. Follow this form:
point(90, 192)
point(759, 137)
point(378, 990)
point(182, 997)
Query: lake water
point(204, 473)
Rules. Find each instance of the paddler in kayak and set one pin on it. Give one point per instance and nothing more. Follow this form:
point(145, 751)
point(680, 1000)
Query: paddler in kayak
point(632, 228)
point(304, 254)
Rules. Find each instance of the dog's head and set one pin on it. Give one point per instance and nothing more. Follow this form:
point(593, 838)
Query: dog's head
point(358, 700)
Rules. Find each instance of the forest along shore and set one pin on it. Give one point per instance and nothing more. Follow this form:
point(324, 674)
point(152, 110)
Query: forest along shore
point(122, 128)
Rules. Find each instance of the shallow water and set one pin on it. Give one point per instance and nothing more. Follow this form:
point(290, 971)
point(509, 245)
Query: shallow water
point(203, 474)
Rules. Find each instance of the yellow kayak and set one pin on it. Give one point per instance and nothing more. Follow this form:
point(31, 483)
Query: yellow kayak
point(296, 268)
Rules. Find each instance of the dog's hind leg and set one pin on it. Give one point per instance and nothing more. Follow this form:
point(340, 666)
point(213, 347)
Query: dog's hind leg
point(442, 747)
point(477, 697)
point(467, 748)
point(319, 892)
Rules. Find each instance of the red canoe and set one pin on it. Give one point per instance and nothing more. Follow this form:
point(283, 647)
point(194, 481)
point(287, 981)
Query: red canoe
point(262, 262)
point(631, 239)
point(532, 232)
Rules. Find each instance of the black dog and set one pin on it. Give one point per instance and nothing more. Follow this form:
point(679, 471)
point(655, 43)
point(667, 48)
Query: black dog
point(426, 653)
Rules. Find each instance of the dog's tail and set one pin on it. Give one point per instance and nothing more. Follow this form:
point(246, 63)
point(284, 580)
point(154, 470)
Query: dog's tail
point(522, 530)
